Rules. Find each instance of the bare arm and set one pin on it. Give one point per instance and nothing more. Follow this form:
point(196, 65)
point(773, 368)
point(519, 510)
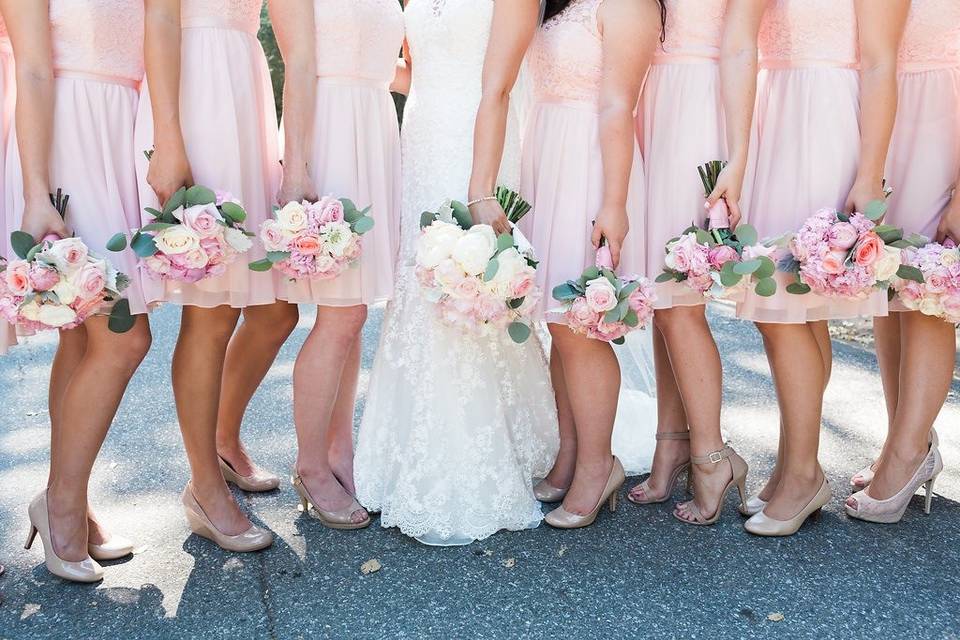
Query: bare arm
point(630, 31)
point(29, 27)
point(514, 25)
point(403, 73)
point(738, 79)
point(169, 167)
point(293, 23)
point(950, 220)
point(881, 28)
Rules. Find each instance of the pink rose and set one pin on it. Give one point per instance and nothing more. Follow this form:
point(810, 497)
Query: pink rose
point(521, 286)
point(581, 313)
point(17, 277)
point(842, 236)
point(722, 254)
point(935, 283)
point(43, 278)
point(272, 236)
point(202, 219)
point(91, 283)
point(489, 309)
point(601, 295)
point(88, 307)
point(307, 245)
point(609, 332)
point(467, 288)
point(951, 305)
point(868, 251)
point(331, 210)
point(326, 266)
point(833, 263)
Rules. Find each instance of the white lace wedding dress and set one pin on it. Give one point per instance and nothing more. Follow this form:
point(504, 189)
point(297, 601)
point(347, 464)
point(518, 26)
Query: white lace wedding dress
point(455, 427)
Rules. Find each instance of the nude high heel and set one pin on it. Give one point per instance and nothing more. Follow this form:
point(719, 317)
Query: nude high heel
point(258, 482)
point(546, 492)
point(862, 479)
point(560, 518)
point(762, 525)
point(86, 570)
point(342, 519)
point(738, 479)
point(752, 505)
point(863, 507)
point(644, 488)
point(253, 539)
point(113, 549)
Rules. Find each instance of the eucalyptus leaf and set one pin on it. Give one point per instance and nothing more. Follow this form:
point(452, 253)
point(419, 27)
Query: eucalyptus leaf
point(729, 277)
point(426, 219)
point(591, 273)
point(21, 242)
point(504, 242)
point(746, 268)
point(176, 201)
point(632, 320)
point(516, 303)
point(767, 268)
point(117, 243)
point(153, 212)
point(363, 225)
point(766, 287)
point(277, 256)
point(156, 226)
point(703, 237)
point(798, 288)
point(747, 234)
point(875, 210)
point(261, 265)
point(565, 292)
point(233, 211)
point(199, 195)
point(461, 214)
point(843, 217)
point(121, 320)
point(143, 245)
point(666, 276)
point(906, 272)
point(492, 267)
point(619, 341)
point(519, 332)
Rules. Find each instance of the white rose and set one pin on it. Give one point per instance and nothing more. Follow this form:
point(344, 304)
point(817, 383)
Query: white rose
point(67, 255)
point(888, 264)
point(31, 311)
point(475, 248)
point(292, 217)
point(601, 295)
point(669, 261)
point(930, 306)
point(337, 238)
point(237, 239)
point(66, 291)
point(55, 315)
point(950, 257)
point(176, 240)
point(436, 243)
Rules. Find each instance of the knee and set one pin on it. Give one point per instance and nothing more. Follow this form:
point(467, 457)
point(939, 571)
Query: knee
point(277, 321)
point(678, 322)
point(342, 325)
point(130, 348)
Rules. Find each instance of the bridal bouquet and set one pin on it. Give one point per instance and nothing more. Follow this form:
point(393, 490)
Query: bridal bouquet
point(476, 279)
point(837, 255)
point(313, 240)
point(603, 306)
point(929, 281)
point(59, 283)
point(196, 236)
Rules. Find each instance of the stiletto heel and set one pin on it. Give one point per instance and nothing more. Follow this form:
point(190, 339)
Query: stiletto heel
point(864, 507)
point(644, 486)
point(342, 519)
point(253, 539)
point(928, 499)
point(742, 489)
point(738, 479)
point(862, 479)
point(30, 537)
point(560, 518)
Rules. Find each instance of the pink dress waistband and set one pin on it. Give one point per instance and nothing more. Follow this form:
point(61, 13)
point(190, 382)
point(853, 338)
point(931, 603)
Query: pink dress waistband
point(97, 77)
point(582, 105)
point(920, 67)
point(806, 64)
point(687, 58)
point(352, 81)
point(216, 22)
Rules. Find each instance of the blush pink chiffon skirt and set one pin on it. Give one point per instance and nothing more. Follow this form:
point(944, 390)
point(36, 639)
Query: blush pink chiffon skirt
point(807, 137)
point(8, 337)
point(91, 160)
point(680, 127)
point(356, 155)
point(229, 125)
point(924, 159)
point(562, 177)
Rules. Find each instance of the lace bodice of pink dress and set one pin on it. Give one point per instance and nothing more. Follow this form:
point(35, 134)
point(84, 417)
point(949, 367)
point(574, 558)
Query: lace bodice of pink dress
point(801, 33)
point(358, 38)
point(242, 15)
point(694, 30)
point(932, 36)
point(98, 37)
point(566, 61)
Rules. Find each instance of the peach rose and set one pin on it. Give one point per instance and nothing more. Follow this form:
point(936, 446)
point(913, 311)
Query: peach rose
point(868, 251)
point(307, 245)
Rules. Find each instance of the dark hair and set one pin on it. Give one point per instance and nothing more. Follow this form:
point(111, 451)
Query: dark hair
point(555, 7)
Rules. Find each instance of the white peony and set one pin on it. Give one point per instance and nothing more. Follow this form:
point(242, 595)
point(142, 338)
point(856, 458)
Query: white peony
point(436, 243)
point(31, 311)
point(511, 265)
point(888, 264)
point(337, 238)
point(292, 218)
point(475, 248)
point(66, 291)
point(237, 239)
point(176, 240)
point(55, 315)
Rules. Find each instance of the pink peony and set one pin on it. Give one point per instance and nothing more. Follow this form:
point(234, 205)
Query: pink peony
point(521, 285)
point(842, 236)
point(331, 210)
point(43, 278)
point(722, 254)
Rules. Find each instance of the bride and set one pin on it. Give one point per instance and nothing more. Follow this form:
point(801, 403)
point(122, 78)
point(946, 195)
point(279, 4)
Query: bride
point(456, 427)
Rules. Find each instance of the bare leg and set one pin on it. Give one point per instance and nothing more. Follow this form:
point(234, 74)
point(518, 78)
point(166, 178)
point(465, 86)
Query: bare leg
point(198, 362)
point(340, 435)
point(109, 361)
point(796, 360)
point(317, 382)
point(886, 334)
point(591, 375)
point(926, 369)
point(561, 475)
point(250, 354)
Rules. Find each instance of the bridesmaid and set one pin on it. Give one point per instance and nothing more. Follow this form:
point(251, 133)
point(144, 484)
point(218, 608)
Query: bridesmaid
point(681, 127)
point(209, 114)
point(77, 102)
point(8, 336)
point(344, 142)
point(916, 352)
point(581, 164)
point(822, 134)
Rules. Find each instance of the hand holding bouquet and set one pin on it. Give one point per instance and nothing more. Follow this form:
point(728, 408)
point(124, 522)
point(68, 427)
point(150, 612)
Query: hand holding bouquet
point(313, 240)
point(196, 236)
point(603, 306)
point(59, 283)
point(477, 279)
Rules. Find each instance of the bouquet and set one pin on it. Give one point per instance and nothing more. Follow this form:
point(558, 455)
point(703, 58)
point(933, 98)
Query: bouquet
point(196, 236)
point(716, 261)
point(603, 306)
point(839, 255)
point(477, 279)
point(59, 283)
point(313, 240)
point(929, 280)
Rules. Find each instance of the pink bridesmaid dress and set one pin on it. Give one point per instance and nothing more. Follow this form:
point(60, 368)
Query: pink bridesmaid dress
point(680, 126)
point(924, 159)
point(95, 107)
point(229, 125)
point(807, 136)
point(8, 336)
point(562, 164)
point(356, 146)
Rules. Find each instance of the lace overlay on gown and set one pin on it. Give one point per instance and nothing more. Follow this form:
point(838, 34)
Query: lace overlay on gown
point(359, 38)
point(102, 37)
point(239, 14)
point(455, 427)
point(932, 36)
point(809, 32)
point(694, 29)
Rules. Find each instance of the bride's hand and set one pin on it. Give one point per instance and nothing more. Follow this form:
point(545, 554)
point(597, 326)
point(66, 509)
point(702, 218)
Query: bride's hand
point(612, 225)
point(490, 212)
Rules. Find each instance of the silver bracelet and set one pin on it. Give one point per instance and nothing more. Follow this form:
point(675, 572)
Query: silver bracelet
point(479, 200)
